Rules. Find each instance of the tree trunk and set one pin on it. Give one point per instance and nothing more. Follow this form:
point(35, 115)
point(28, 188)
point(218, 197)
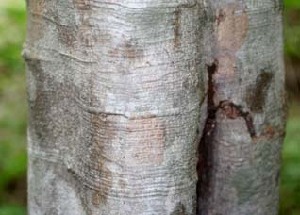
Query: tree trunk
point(114, 96)
point(241, 144)
point(131, 102)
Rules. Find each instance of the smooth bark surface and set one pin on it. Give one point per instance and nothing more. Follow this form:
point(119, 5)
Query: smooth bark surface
point(154, 106)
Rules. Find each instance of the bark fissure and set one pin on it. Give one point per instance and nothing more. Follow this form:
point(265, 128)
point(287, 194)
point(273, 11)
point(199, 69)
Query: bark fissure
point(205, 159)
point(204, 151)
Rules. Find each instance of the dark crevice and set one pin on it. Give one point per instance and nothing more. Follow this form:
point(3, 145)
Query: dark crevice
point(205, 156)
point(204, 150)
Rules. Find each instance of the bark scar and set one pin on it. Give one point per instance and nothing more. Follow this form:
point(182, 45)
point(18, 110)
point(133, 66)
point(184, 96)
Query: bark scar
point(233, 111)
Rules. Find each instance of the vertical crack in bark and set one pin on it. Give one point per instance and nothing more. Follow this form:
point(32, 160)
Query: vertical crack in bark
point(205, 155)
point(204, 150)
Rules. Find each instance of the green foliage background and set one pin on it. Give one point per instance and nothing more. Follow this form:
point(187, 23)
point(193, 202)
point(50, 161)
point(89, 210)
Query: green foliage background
point(13, 112)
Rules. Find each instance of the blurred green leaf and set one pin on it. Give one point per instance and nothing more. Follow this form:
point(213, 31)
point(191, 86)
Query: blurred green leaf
point(292, 4)
point(290, 171)
point(13, 110)
point(12, 210)
point(12, 32)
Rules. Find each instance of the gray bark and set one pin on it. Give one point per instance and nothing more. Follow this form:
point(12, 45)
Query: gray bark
point(114, 95)
point(240, 149)
point(154, 106)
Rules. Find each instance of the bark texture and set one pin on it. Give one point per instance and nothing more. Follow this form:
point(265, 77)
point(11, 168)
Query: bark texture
point(240, 148)
point(154, 106)
point(115, 93)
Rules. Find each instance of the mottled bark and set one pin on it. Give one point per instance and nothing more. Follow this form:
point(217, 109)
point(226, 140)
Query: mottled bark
point(240, 148)
point(114, 95)
point(148, 106)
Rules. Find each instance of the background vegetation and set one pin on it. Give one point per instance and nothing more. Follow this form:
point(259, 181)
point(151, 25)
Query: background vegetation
point(13, 111)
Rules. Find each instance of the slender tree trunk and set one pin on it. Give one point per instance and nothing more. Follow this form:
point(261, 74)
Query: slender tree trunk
point(241, 144)
point(154, 106)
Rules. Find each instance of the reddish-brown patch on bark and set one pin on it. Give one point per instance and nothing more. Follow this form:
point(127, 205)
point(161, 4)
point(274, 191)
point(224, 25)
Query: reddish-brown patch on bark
point(230, 111)
point(227, 64)
point(84, 33)
point(84, 36)
point(36, 30)
point(67, 35)
point(82, 4)
point(146, 139)
point(232, 27)
point(37, 6)
point(85, 19)
point(96, 198)
point(126, 50)
point(270, 132)
point(103, 131)
point(130, 51)
point(103, 186)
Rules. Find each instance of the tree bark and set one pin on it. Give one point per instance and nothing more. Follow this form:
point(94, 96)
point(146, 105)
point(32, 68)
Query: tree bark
point(244, 131)
point(154, 106)
point(114, 95)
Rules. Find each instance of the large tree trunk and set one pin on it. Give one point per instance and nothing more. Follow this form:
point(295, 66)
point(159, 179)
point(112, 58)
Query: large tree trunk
point(115, 93)
point(124, 96)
